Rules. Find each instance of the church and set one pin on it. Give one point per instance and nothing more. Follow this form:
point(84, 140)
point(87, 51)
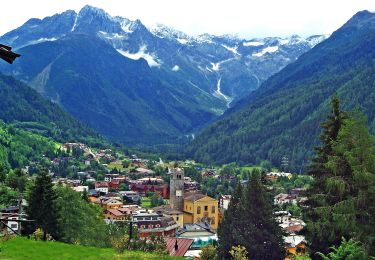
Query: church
point(189, 207)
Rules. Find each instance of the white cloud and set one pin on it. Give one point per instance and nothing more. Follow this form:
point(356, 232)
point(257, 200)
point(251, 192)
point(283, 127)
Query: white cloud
point(175, 68)
point(247, 18)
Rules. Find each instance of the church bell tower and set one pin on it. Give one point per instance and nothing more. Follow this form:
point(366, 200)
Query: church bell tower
point(176, 189)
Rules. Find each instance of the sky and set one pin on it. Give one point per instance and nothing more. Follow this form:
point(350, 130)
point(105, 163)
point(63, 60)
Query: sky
point(244, 18)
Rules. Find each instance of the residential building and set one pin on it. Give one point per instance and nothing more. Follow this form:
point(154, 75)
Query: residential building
point(167, 211)
point(115, 215)
point(154, 224)
point(102, 187)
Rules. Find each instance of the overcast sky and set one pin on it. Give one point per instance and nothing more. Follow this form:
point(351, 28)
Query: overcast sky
point(246, 18)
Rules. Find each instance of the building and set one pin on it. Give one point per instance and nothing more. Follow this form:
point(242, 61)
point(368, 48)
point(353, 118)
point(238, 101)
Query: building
point(200, 233)
point(178, 246)
point(176, 189)
point(195, 206)
point(107, 203)
point(295, 245)
point(130, 196)
point(153, 224)
point(102, 187)
point(224, 201)
point(115, 215)
point(167, 211)
point(201, 208)
point(110, 177)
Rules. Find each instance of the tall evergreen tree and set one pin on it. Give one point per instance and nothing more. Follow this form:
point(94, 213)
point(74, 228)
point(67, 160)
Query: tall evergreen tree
point(41, 198)
point(225, 230)
point(353, 181)
point(342, 199)
point(249, 222)
point(258, 230)
point(319, 231)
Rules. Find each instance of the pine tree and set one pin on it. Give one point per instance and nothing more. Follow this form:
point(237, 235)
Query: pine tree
point(258, 230)
point(231, 217)
point(319, 231)
point(342, 200)
point(353, 183)
point(41, 198)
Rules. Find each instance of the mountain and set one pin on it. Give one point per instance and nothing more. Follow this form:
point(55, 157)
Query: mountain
point(24, 108)
point(142, 85)
point(282, 117)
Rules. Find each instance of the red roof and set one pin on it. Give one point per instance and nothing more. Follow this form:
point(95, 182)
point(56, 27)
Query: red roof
point(115, 212)
point(183, 245)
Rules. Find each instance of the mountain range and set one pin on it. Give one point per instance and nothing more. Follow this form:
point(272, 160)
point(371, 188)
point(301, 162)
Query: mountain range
point(142, 85)
point(282, 117)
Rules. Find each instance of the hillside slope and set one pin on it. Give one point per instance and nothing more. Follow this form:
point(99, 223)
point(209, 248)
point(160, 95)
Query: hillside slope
point(25, 108)
point(282, 117)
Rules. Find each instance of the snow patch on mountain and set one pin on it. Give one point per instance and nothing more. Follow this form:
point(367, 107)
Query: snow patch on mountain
point(269, 49)
point(74, 24)
point(234, 50)
point(220, 94)
point(182, 41)
point(215, 66)
point(112, 36)
point(40, 41)
point(151, 58)
point(252, 43)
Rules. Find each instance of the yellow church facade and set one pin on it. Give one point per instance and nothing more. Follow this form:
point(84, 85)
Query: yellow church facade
point(201, 208)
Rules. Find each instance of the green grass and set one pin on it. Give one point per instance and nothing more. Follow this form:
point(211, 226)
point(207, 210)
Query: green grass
point(23, 248)
point(146, 202)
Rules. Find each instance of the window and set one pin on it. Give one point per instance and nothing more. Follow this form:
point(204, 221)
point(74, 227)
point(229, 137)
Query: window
point(213, 220)
point(199, 210)
point(205, 208)
point(212, 209)
point(177, 218)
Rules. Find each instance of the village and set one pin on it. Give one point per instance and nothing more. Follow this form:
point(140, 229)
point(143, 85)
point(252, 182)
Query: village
point(158, 199)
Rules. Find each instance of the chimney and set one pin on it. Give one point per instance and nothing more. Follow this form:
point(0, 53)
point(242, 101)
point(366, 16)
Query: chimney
point(176, 246)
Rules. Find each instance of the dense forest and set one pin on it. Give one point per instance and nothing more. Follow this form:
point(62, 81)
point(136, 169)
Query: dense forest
point(26, 109)
point(282, 117)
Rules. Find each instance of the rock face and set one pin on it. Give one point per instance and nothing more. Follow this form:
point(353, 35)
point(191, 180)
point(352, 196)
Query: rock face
point(142, 85)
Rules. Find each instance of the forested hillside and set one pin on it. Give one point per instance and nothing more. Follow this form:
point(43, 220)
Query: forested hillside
point(25, 108)
point(282, 117)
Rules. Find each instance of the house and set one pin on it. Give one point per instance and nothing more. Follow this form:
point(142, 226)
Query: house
point(143, 189)
point(108, 203)
point(167, 211)
point(154, 224)
point(109, 177)
point(114, 185)
point(178, 246)
point(272, 176)
point(201, 208)
point(283, 198)
point(102, 187)
point(115, 215)
point(295, 245)
point(224, 201)
point(81, 188)
point(130, 196)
